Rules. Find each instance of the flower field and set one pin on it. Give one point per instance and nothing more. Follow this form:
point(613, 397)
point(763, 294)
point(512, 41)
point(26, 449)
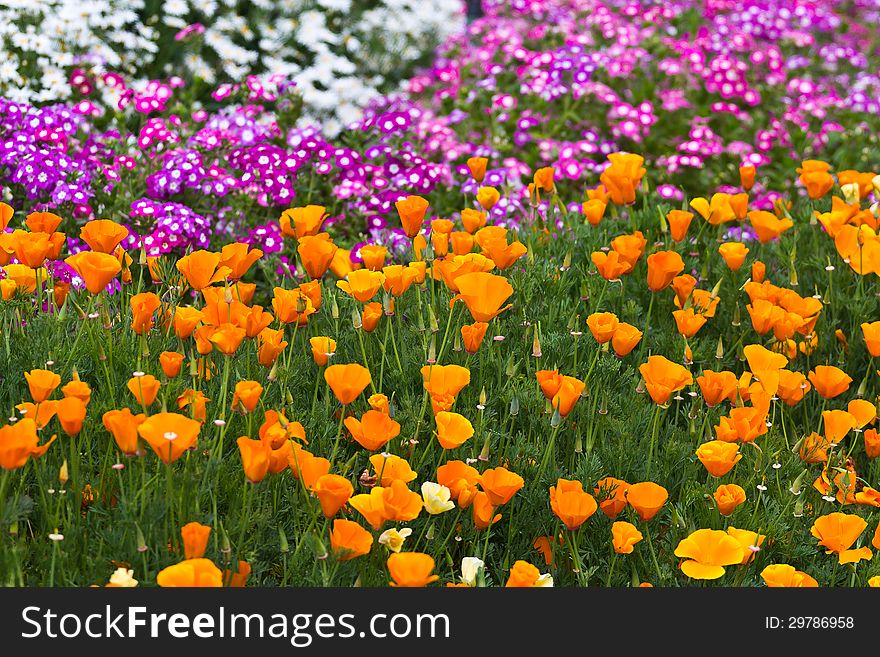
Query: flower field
point(584, 296)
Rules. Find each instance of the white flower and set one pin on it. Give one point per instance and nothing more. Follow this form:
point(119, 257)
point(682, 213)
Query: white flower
point(544, 581)
point(393, 539)
point(470, 569)
point(436, 498)
point(123, 578)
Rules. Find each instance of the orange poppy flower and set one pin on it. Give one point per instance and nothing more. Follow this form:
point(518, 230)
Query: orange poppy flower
point(571, 504)
point(443, 380)
point(602, 326)
point(525, 575)
point(663, 377)
point(728, 497)
point(461, 480)
point(483, 511)
point(716, 211)
point(792, 387)
point(32, 249)
point(371, 506)
point(238, 258)
point(316, 253)
point(780, 575)
point(747, 175)
point(270, 344)
point(450, 269)
point(247, 395)
point(765, 365)
point(347, 381)
point(624, 536)
point(42, 222)
point(123, 425)
point(292, 306)
point(144, 388)
point(191, 573)
point(872, 444)
point(411, 569)
point(227, 338)
point(500, 485)
point(171, 362)
point(611, 494)
point(41, 384)
point(829, 381)
point(342, 264)
point(717, 386)
point(373, 430)
point(6, 213)
point(332, 491)
point(814, 448)
point(623, 176)
point(718, 457)
point(767, 225)
point(311, 468)
point(41, 413)
point(594, 210)
point(625, 339)
point(472, 335)
point(255, 457)
point(472, 220)
point(707, 552)
point(453, 430)
point(19, 442)
point(103, 235)
point(487, 197)
point(143, 306)
point(312, 289)
point(462, 242)
point(411, 211)
point(169, 434)
point(300, 222)
point(362, 284)
point(71, 412)
point(77, 388)
point(237, 579)
point(837, 424)
point(749, 540)
point(390, 468)
point(734, 254)
point(379, 402)
point(871, 331)
point(371, 315)
point(663, 266)
point(611, 265)
point(759, 269)
point(630, 247)
point(837, 532)
point(868, 496)
point(483, 294)
point(568, 395)
point(477, 167)
point(399, 502)
point(679, 221)
point(373, 255)
point(504, 255)
point(647, 498)
point(202, 268)
point(543, 179)
point(186, 318)
point(687, 322)
point(815, 178)
point(195, 539)
point(349, 540)
point(96, 269)
point(440, 239)
point(398, 279)
point(739, 203)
